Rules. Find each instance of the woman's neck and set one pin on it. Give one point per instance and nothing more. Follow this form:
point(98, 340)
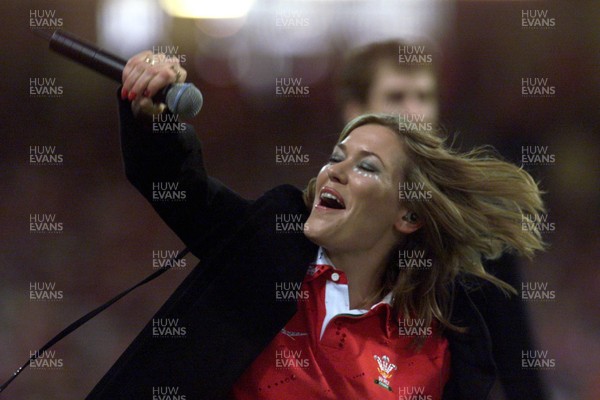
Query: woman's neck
point(364, 271)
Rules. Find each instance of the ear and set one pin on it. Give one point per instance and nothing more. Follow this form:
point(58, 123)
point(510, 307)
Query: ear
point(352, 109)
point(404, 224)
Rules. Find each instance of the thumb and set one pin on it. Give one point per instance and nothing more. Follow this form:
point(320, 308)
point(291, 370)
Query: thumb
point(145, 105)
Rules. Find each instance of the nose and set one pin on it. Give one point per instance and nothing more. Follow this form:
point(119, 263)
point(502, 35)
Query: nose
point(338, 172)
point(413, 105)
point(408, 106)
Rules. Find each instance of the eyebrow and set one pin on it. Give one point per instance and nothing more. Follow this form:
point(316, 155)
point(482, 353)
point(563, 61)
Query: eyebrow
point(342, 146)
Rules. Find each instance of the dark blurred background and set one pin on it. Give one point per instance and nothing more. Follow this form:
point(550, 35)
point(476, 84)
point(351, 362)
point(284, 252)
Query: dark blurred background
point(110, 233)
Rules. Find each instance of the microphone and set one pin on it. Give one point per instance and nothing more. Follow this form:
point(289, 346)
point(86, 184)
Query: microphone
point(183, 99)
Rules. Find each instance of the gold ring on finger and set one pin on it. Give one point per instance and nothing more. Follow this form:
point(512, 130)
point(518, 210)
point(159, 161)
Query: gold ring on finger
point(177, 73)
point(150, 60)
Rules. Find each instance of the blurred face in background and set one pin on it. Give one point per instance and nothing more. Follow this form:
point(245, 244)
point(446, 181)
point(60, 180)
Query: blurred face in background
point(401, 91)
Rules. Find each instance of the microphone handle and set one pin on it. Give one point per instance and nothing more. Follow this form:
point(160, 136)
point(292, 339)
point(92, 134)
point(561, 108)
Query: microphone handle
point(87, 54)
point(111, 66)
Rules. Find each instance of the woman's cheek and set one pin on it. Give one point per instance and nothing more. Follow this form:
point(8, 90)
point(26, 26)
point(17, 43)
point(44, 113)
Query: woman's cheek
point(366, 174)
point(322, 175)
point(371, 185)
point(379, 192)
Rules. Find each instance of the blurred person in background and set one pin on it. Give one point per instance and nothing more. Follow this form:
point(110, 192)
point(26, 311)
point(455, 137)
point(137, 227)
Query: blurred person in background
point(372, 79)
point(356, 233)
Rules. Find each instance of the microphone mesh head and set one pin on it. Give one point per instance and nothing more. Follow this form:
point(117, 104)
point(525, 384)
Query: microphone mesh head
point(184, 99)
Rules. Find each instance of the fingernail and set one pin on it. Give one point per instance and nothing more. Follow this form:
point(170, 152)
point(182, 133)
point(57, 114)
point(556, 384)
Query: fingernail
point(146, 93)
point(123, 94)
point(131, 96)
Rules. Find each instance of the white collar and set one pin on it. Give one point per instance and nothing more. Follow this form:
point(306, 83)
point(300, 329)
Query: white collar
point(322, 258)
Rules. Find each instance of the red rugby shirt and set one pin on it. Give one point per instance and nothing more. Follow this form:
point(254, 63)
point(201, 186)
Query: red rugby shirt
point(327, 351)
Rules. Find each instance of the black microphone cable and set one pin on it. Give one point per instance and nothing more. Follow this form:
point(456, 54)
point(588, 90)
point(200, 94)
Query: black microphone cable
point(92, 314)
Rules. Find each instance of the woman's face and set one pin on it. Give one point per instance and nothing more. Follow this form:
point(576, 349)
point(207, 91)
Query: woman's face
point(356, 195)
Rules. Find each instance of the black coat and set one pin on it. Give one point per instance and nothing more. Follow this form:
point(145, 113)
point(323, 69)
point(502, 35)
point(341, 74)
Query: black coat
point(227, 303)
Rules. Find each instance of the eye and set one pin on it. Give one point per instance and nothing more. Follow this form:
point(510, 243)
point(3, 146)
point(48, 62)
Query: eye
point(335, 158)
point(396, 97)
point(367, 167)
point(425, 96)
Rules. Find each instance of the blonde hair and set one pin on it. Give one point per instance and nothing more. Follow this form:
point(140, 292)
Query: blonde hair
point(475, 208)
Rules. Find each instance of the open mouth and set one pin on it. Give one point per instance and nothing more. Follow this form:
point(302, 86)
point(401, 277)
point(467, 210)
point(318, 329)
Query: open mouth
point(329, 198)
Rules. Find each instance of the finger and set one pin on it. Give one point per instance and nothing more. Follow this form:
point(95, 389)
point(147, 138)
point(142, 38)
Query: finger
point(133, 62)
point(180, 73)
point(160, 58)
point(153, 108)
point(141, 83)
point(164, 77)
point(135, 66)
point(139, 104)
point(130, 82)
point(144, 105)
point(139, 70)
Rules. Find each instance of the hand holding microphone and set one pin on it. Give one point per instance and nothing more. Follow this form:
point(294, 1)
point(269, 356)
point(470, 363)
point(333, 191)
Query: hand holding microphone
point(145, 75)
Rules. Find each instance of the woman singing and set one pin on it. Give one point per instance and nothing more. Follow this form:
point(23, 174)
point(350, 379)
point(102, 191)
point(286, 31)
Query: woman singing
point(371, 300)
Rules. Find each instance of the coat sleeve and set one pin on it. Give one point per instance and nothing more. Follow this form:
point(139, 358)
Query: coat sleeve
point(507, 321)
point(167, 168)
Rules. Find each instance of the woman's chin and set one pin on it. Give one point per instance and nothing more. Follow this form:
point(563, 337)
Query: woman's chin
point(313, 232)
point(308, 232)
